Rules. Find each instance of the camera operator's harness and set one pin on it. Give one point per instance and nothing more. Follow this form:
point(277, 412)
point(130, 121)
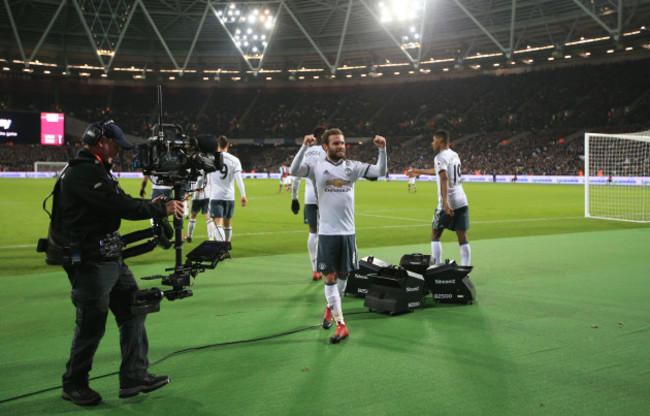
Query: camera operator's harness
point(62, 250)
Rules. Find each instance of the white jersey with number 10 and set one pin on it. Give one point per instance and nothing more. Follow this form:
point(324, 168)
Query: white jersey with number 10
point(448, 160)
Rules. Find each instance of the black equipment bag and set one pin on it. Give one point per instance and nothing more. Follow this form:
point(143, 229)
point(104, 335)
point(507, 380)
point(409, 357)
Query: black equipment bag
point(416, 262)
point(359, 280)
point(57, 245)
point(449, 283)
point(395, 290)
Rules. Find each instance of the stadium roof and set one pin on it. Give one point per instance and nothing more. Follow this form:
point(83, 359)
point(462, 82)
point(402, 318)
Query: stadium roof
point(291, 37)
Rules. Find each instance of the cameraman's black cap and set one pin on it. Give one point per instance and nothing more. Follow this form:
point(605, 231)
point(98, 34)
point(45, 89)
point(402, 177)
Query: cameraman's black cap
point(108, 129)
point(112, 131)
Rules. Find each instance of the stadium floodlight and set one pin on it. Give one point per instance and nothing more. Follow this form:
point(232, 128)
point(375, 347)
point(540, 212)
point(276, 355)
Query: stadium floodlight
point(400, 10)
point(106, 21)
point(617, 176)
point(249, 26)
point(404, 19)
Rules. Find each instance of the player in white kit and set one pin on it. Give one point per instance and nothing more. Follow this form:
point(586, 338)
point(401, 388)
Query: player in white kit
point(452, 212)
point(310, 210)
point(334, 179)
point(222, 192)
point(157, 189)
point(200, 203)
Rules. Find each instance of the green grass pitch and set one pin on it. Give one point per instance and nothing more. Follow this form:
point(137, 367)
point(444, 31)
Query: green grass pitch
point(560, 325)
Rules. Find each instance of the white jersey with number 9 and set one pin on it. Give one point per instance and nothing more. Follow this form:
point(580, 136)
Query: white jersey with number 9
point(222, 184)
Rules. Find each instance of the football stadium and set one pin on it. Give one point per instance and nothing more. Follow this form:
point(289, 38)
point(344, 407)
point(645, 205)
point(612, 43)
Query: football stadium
point(534, 114)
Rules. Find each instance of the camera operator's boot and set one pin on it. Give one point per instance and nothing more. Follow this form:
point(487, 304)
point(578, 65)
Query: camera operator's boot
point(148, 383)
point(82, 396)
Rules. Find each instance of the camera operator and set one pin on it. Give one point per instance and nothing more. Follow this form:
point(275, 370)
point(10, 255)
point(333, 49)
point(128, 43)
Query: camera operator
point(93, 205)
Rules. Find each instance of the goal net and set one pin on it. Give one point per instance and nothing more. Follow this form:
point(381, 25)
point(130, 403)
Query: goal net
point(49, 166)
point(617, 176)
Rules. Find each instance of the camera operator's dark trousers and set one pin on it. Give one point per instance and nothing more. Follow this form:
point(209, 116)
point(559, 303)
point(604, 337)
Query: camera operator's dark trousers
point(96, 287)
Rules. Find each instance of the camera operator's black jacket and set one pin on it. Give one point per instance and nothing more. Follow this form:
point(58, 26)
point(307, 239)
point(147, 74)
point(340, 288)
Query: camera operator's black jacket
point(93, 203)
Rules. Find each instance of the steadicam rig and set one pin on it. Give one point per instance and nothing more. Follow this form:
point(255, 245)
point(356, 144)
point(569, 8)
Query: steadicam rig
point(176, 159)
point(205, 256)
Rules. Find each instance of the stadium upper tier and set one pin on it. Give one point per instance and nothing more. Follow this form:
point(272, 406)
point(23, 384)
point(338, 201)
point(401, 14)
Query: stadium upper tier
point(519, 112)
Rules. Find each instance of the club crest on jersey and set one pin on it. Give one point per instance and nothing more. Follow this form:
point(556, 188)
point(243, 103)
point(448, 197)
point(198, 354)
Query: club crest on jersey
point(337, 182)
point(348, 171)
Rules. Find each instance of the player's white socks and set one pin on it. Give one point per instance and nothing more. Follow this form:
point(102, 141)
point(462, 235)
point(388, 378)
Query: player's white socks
point(190, 227)
point(186, 211)
point(219, 234)
point(228, 233)
point(341, 284)
point(334, 301)
point(211, 230)
point(465, 254)
point(436, 252)
point(312, 246)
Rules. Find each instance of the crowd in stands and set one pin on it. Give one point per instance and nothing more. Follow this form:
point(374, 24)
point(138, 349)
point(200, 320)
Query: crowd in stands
point(21, 157)
point(527, 123)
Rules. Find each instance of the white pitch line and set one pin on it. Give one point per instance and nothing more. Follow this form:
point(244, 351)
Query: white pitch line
point(394, 218)
point(21, 246)
point(471, 222)
point(526, 219)
point(362, 228)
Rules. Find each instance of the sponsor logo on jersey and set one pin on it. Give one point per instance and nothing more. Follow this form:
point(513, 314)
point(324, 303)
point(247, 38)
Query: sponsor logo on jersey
point(337, 182)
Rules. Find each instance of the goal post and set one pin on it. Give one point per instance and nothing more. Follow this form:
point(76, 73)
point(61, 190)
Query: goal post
point(617, 176)
point(49, 166)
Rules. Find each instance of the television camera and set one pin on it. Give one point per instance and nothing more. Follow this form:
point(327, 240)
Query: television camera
point(176, 158)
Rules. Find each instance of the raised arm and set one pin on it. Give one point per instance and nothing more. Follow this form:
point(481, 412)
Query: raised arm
point(297, 169)
point(380, 168)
